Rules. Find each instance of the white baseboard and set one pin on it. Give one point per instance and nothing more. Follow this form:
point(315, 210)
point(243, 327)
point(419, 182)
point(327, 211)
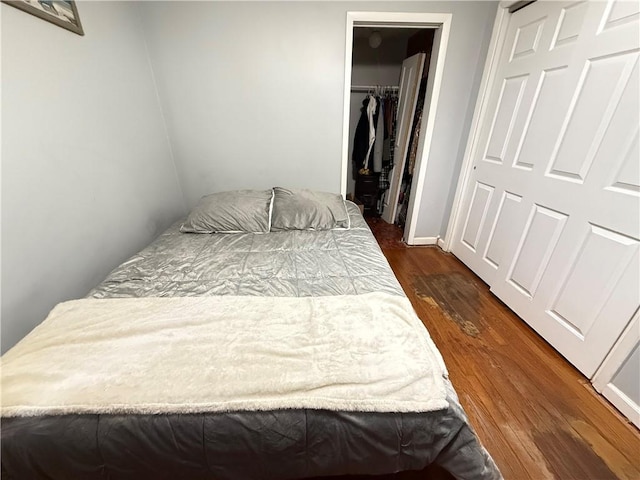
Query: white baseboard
point(623, 403)
point(424, 241)
point(441, 243)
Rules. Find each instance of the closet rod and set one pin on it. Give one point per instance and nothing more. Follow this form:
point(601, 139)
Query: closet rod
point(370, 88)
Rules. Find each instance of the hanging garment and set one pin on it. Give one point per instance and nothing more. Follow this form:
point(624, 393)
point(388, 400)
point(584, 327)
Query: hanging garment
point(415, 130)
point(360, 140)
point(390, 104)
point(386, 152)
point(371, 111)
point(393, 113)
point(414, 144)
point(388, 125)
point(391, 107)
point(379, 139)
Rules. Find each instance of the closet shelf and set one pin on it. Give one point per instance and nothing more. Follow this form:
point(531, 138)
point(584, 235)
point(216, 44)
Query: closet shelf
point(368, 88)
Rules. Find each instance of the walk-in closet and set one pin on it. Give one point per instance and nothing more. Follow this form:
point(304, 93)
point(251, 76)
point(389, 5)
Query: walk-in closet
point(388, 84)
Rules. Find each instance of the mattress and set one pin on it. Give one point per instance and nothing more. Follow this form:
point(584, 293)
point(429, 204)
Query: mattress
point(277, 444)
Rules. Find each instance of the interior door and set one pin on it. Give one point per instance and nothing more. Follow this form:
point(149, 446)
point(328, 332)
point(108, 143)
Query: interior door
point(550, 215)
point(407, 97)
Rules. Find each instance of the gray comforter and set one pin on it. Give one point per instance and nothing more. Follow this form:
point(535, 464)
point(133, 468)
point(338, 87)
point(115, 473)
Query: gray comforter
point(279, 444)
point(291, 263)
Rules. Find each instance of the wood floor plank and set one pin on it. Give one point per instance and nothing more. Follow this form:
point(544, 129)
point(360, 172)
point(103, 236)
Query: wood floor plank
point(534, 412)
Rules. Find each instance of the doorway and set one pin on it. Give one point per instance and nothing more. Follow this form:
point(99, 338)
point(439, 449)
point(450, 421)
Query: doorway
point(374, 29)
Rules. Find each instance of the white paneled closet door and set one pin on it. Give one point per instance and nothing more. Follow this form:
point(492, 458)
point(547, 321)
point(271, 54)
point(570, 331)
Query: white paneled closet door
point(410, 76)
point(551, 214)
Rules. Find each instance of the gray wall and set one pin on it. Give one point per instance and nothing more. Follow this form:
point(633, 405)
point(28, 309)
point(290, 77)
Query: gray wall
point(253, 93)
point(87, 173)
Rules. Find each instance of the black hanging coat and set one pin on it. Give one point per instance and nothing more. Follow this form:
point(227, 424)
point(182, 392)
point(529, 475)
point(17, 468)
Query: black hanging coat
point(361, 139)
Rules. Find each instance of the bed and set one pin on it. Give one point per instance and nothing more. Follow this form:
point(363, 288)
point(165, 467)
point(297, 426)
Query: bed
point(300, 441)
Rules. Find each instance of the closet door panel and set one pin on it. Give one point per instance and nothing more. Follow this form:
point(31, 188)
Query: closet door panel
point(407, 99)
point(558, 148)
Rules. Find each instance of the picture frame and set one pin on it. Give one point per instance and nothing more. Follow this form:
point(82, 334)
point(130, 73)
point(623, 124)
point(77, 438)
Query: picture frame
point(63, 13)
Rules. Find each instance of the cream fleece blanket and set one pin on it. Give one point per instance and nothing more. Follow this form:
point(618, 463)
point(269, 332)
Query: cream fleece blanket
point(207, 354)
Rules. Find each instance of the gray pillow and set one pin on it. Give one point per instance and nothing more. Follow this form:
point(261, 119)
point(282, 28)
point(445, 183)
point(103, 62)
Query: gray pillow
point(308, 210)
point(231, 212)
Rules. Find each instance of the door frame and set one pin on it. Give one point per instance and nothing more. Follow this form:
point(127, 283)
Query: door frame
point(442, 23)
point(498, 35)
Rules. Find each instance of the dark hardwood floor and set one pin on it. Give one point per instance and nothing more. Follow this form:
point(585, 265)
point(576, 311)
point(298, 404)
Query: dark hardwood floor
point(537, 415)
